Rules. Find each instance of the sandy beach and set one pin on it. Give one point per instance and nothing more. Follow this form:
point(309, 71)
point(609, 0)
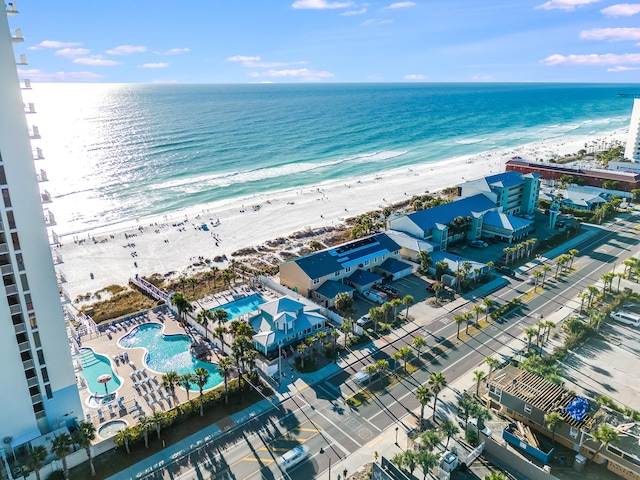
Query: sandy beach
point(172, 243)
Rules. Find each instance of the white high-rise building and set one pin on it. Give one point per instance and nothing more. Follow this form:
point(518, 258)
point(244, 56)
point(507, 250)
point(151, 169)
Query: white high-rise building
point(632, 150)
point(38, 390)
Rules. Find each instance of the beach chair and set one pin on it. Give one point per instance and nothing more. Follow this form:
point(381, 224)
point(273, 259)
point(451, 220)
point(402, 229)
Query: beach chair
point(144, 371)
point(100, 415)
point(88, 417)
point(150, 402)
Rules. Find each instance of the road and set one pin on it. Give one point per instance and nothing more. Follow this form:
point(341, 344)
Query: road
point(317, 415)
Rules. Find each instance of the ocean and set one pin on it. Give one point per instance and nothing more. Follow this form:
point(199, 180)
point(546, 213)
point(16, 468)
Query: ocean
point(119, 152)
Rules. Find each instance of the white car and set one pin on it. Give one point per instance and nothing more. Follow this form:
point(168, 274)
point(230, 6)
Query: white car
point(361, 376)
point(293, 457)
point(626, 318)
point(375, 295)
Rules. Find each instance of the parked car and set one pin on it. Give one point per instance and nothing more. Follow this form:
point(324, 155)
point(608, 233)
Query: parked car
point(479, 244)
point(365, 321)
point(506, 271)
point(430, 288)
point(375, 296)
point(361, 376)
point(293, 457)
point(627, 318)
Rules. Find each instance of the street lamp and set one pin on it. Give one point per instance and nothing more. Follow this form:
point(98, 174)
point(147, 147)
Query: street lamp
point(322, 452)
point(396, 435)
point(280, 359)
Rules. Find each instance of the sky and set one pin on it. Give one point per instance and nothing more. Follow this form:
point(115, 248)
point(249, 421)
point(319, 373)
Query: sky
point(323, 41)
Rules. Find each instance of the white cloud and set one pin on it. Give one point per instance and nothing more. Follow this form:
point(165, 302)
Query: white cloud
point(593, 59)
point(154, 65)
point(354, 12)
point(319, 4)
point(567, 5)
point(72, 52)
point(376, 21)
point(621, 68)
point(173, 51)
point(393, 6)
point(243, 59)
point(611, 34)
point(38, 76)
point(54, 44)
point(96, 61)
point(621, 10)
point(415, 76)
point(481, 78)
point(127, 50)
point(303, 73)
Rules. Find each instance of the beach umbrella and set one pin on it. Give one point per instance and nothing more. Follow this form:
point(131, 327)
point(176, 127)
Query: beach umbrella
point(104, 378)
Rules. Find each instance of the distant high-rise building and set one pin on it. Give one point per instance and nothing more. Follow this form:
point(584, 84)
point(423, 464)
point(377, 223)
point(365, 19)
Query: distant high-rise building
point(632, 150)
point(38, 391)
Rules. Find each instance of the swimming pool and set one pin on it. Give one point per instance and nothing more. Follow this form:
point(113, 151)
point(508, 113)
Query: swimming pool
point(94, 365)
point(241, 306)
point(166, 353)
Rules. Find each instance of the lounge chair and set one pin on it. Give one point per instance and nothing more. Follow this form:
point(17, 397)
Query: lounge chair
point(88, 417)
point(100, 415)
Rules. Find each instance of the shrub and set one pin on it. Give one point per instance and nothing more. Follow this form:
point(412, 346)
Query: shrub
point(471, 436)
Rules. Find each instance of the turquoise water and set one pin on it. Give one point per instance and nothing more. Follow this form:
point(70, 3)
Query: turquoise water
point(242, 306)
point(125, 151)
point(94, 365)
point(166, 353)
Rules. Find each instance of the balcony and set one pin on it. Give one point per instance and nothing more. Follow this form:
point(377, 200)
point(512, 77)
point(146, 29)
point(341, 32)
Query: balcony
point(34, 133)
point(57, 257)
point(6, 269)
point(37, 154)
point(32, 382)
point(14, 309)
point(64, 296)
point(17, 37)
point(26, 85)
point(45, 196)
point(42, 176)
point(29, 108)
point(62, 278)
point(22, 328)
point(11, 289)
point(27, 364)
point(12, 9)
point(49, 218)
point(22, 60)
point(24, 347)
point(54, 239)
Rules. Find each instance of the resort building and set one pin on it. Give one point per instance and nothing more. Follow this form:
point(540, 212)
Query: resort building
point(632, 149)
point(38, 382)
point(283, 322)
point(627, 180)
point(488, 207)
point(577, 197)
point(356, 265)
point(526, 398)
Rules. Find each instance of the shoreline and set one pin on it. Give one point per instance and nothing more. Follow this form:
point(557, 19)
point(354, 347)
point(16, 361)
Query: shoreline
point(172, 243)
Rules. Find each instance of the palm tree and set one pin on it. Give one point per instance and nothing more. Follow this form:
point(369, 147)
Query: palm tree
point(193, 281)
point(371, 370)
point(219, 333)
point(224, 367)
point(545, 269)
point(436, 290)
point(593, 290)
point(376, 316)
point(203, 318)
point(185, 381)
point(169, 381)
point(477, 309)
point(467, 316)
point(488, 303)
point(396, 356)
point(480, 414)
point(448, 428)
point(540, 325)
point(386, 308)
point(429, 439)
point(573, 252)
point(214, 271)
point(423, 395)
point(478, 376)
point(396, 303)
point(381, 367)
point(405, 354)
point(301, 352)
point(549, 324)
point(145, 424)
point(408, 300)
point(465, 406)
point(427, 460)
point(552, 420)
point(607, 279)
point(530, 332)
point(334, 338)
point(347, 328)
point(492, 363)
point(459, 319)
point(322, 336)
point(438, 381)
point(36, 458)
point(124, 437)
point(60, 447)
point(201, 377)
point(182, 305)
point(605, 434)
point(159, 420)
point(83, 435)
point(537, 274)
point(419, 343)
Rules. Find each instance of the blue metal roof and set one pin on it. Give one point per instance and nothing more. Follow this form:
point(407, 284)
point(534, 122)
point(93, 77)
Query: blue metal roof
point(331, 288)
point(392, 266)
point(320, 264)
point(505, 179)
point(443, 214)
point(364, 277)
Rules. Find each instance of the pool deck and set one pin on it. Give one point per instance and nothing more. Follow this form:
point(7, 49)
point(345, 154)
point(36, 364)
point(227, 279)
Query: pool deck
point(109, 347)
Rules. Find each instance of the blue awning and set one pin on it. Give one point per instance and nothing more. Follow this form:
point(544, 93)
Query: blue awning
point(27, 437)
